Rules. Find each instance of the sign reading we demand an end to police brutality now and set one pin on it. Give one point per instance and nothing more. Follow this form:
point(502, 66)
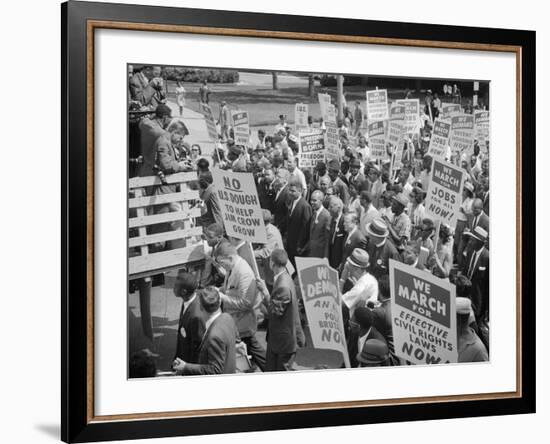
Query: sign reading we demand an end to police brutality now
point(239, 205)
point(323, 304)
point(444, 194)
point(423, 315)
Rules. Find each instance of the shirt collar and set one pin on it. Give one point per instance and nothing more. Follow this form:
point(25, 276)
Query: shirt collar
point(212, 319)
point(189, 302)
point(277, 275)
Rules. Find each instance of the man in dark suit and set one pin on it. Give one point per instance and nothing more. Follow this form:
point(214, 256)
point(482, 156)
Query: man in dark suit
point(319, 229)
point(192, 323)
point(476, 268)
point(299, 218)
point(266, 193)
point(337, 234)
point(379, 248)
point(150, 130)
point(207, 192)
point(281, 201)
point(217, 353)
point(284, 331)
point(339, 186)
point(355, 239)
point(361, 330)
point(478, 218)
point(356, 178)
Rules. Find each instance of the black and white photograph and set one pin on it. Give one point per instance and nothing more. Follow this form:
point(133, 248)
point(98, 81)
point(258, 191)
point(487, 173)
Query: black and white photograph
point(285, 221)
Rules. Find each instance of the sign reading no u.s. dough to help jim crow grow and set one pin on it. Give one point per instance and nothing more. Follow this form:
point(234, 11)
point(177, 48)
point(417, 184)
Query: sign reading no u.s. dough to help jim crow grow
point(239, 205)
point(423, 315)
point(323, 304)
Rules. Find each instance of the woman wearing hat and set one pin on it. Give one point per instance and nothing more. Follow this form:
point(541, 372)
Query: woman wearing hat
point(463, 213)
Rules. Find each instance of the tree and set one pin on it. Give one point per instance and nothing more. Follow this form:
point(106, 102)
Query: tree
point(311, 85)
point(275, 80)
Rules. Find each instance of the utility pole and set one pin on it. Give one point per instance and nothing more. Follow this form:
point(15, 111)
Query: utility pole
point(340, 95)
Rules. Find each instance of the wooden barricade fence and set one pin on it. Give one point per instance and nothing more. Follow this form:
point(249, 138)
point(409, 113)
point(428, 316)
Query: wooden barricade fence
point(161, 241)
point(184, 237)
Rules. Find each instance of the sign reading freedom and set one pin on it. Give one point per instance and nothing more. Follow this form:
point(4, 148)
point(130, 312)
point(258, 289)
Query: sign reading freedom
point(323, 304)
point(423, 316)
point(239, 205)
point(444, 194)
point(312, 149)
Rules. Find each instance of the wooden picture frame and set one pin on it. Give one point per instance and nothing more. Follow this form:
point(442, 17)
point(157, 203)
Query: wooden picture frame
point(79, 22)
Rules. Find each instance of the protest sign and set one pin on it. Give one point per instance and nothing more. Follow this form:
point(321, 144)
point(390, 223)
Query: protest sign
point(377, 142)
point(241, 127)
point(331, 135)
point(396, 125)
point(300, 117)
point(440, 139)
point(423, 315)
point(449, 110)
point(482, 125)
point(377, 104)
point(412, 115)
point(323, 304)
point(206, 111)
point(311, 148)
point(444, 194)
point(239, 205)
point(324, 102)
point(462, 133)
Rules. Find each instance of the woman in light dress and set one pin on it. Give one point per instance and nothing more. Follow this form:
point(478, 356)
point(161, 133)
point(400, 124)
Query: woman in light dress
point(441, 261)
point(180, 95)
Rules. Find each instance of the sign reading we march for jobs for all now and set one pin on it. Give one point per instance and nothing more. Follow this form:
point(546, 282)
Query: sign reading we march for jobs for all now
point(423, 316)
point(323, 304)
point(444, 194)
point(239, 205)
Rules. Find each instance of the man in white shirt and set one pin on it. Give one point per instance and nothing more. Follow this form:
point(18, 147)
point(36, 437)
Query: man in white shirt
point(295, 172)
point(365, 286)
point(368, 211)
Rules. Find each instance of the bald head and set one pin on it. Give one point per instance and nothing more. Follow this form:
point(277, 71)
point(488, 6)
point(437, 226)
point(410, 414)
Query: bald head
point(477, 207)
point(316, 199)
point(335, 206)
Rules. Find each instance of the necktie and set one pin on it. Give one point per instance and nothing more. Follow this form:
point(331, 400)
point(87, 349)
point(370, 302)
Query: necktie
point(471, 267)
point(333, 231)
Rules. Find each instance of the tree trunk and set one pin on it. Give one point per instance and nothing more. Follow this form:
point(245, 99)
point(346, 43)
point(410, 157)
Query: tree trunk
point(311, 85)
point(275, 80)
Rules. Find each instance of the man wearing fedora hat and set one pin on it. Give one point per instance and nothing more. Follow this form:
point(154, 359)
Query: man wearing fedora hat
point(364, 286)
point(354, 239)
point(380, 250)
point(375, 353)
point(361, 331)
point(476, 268)
point(470, 347)
point(400, 227)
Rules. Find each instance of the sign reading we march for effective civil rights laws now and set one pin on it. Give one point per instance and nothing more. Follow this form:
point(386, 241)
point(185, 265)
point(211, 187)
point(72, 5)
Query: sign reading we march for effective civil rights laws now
point(423, 315)
point(239, 205)
point(323, 304)
point(444, 194)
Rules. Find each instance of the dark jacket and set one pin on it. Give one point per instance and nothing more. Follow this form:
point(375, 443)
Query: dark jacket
point(217, 353)
point(280, 211)
point(191, 329)
point(319, 235)
point(298, 228)
point(284, 330)
point(480, 281)
point(357, 240)
point(212, 204)
point(379, 258)
point(337, 237)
